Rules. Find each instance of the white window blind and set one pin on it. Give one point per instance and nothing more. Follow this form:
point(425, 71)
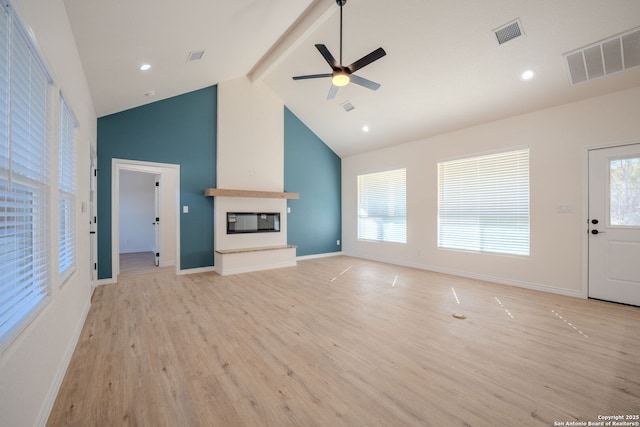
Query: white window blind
point(24, 177)
point(483, 203)
point(66, 191)
point(382, 206)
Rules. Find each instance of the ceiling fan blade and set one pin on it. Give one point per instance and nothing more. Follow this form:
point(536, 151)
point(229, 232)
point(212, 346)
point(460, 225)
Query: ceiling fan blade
point(366, 60)
point(364, 82)
point(328, 57)
point(312, 76)
point(333, 90)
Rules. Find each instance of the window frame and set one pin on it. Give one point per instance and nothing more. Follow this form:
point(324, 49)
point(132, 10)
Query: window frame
point(67, 190)
point(484, 203)
point(25, 181)
point(382, 225)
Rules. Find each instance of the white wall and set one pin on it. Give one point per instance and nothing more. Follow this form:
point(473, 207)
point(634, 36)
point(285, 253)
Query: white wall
point(557, 138)
point(32, 367)
point(250, 156)
point(137, 212)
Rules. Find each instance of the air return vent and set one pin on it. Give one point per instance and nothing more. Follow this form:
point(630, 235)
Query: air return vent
point(612, 55)
point(508, 31)
point(195, 55)
point(348, 106)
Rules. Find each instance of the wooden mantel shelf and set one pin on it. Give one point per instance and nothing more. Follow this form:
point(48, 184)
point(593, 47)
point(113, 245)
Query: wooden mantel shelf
point(217, 192)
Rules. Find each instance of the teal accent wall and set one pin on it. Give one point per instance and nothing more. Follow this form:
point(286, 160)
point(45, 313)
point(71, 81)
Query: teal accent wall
point(315, 171)
point(180, 130)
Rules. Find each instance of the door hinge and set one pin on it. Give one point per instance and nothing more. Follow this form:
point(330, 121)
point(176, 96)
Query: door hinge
point(158, 184)
point(95, 219)
point(157, 219)
point(157, 254)
point(95, 172)
point(95, 265)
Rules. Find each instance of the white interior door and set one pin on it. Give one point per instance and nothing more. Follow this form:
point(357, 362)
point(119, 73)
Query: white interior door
point(614, 224)
point(156, 222)
point(93, 221)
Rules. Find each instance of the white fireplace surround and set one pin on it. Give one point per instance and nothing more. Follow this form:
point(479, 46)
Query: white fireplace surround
point(242, 253)
point(250, 157)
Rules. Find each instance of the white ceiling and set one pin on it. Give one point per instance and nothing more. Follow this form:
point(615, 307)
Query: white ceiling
point(443, 71)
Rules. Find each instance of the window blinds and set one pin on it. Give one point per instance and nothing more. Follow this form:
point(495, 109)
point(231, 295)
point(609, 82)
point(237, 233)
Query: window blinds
point(483, 203)
point(382, 206)
point(66, 191)
point(24, 177)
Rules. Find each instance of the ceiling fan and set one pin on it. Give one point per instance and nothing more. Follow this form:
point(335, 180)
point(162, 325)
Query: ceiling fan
point(342, 75)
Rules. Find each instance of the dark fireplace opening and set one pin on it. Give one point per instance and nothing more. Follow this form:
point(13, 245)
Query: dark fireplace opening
point(253, 222)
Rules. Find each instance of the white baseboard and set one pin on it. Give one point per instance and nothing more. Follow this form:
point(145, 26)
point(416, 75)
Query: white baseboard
point(325, 255)
point(254, 268)
point(107, 281)
point(468, 275)
point(196, 270)
point(47, 406)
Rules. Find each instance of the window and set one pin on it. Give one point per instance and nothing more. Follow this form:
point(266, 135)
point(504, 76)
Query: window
point(24, 178)
point(624, 187)
point(66, 191)
point(483, 203)
point(382, 206)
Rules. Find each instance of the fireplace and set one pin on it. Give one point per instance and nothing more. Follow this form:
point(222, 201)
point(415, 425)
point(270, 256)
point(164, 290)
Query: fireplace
point(253, 222)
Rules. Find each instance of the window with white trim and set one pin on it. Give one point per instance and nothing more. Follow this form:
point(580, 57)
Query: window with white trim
point(483, 203)
point(382, 206)
point(66, 191)
point(24, 179)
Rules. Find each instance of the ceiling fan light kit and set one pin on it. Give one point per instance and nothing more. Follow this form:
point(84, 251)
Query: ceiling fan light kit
point(340, 79)
point(343, 75)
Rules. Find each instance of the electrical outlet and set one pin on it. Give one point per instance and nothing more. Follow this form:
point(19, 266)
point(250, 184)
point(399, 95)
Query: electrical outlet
point(338, 242)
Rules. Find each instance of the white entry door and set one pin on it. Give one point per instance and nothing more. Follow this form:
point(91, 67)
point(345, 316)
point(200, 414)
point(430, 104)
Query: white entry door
point(614, 224)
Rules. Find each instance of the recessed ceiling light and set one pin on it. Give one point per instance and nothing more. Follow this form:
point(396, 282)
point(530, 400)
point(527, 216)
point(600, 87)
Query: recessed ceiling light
point(145, 67)
point(527, 75)
point(365, 128)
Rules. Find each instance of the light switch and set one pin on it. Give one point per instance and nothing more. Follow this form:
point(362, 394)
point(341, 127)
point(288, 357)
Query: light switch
point(288, 209)
point(185, 209)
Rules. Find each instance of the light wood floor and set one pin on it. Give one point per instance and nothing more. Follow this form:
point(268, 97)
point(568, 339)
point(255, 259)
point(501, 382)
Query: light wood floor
point(138, 262)
point(346, 342)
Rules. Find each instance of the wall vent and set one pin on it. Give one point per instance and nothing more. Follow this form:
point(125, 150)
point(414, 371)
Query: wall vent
point(508, 31)
point(600, 59)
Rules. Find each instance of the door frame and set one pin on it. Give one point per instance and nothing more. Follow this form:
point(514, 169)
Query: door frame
point(160, 169)
point(585, 207)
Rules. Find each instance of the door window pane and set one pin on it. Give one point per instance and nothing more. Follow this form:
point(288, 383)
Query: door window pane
point(624, 192)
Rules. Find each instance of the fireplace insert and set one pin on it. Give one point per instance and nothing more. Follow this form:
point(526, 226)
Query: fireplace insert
point(253, 222)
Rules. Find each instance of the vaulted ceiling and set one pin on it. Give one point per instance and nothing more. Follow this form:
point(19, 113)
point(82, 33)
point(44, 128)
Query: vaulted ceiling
point(444, 68)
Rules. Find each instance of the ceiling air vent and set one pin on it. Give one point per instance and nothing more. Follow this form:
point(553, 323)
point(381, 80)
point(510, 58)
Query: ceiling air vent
point(609, 56)
point(508, 31)
point(195, 55)
point(348, 106)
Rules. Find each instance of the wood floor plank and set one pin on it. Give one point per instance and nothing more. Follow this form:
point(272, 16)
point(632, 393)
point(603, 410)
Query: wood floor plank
point(346, 342)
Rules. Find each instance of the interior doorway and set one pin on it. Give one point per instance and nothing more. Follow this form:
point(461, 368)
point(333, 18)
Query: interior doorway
point(140, 244)
point(614, 224)
point(145, 229)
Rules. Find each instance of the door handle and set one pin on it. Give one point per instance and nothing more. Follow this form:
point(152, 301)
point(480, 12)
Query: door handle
point(92, 232)
point(596, 232)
